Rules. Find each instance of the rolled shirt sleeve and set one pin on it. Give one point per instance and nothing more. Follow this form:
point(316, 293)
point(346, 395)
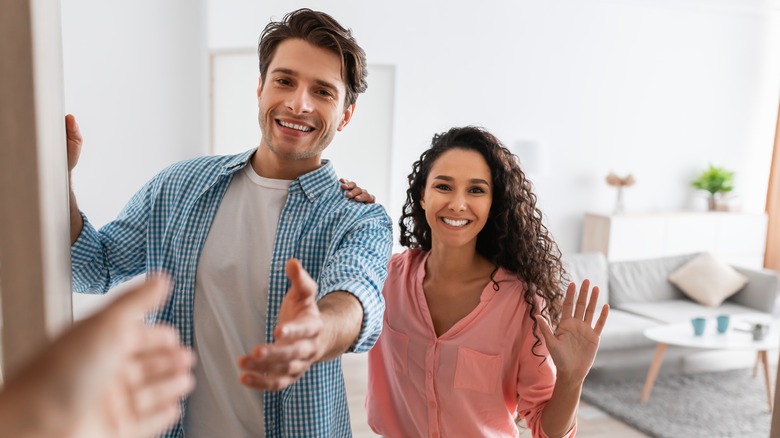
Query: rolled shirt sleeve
point(359, 267)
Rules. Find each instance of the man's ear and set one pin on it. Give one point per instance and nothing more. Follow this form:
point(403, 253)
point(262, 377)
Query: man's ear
point(346, 117)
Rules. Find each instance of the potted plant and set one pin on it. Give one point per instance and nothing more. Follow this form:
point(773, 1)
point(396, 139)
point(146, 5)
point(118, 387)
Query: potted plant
point(716, 181)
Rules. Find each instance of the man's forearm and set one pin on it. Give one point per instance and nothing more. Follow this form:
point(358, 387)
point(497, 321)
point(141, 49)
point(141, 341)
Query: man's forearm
point(76, 221)
point(342, 318)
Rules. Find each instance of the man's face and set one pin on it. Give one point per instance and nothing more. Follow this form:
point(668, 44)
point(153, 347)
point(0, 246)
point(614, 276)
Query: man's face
point(301, 103)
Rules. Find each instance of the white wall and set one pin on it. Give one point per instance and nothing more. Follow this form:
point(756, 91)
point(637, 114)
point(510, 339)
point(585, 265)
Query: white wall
point(136, 79)
point(656, 88)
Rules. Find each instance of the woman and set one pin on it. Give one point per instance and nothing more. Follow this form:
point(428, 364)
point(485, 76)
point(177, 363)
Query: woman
point(466, 345)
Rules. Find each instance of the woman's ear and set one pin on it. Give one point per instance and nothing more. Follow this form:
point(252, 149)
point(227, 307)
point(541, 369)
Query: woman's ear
point(422, 199)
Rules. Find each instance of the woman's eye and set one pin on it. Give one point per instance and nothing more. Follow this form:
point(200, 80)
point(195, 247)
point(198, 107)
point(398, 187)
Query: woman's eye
point(476, 190)
point(441, 187)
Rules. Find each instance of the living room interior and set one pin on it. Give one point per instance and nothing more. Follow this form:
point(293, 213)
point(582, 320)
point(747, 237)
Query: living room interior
point(578, 89)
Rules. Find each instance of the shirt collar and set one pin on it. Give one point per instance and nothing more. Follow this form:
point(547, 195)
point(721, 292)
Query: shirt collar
point(316, 182)
point(313, 183)
point(237, 162)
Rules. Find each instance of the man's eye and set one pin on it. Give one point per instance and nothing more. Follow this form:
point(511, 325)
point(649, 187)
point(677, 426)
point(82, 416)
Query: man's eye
point(325, 93)
point(283, 81)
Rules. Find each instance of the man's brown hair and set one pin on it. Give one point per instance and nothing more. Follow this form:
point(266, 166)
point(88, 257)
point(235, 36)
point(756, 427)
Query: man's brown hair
point(321, 30)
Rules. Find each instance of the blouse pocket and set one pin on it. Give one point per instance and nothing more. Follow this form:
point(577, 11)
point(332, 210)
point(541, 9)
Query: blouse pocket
point(398, 346)
point(477, 371)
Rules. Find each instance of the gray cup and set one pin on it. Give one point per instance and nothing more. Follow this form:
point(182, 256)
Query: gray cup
point(760, 331)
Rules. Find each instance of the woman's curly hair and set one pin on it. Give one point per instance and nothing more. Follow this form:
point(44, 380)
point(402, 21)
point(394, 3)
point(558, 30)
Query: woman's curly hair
point(514, 236)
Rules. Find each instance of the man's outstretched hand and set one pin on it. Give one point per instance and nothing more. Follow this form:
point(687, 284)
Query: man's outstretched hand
point(276, 366)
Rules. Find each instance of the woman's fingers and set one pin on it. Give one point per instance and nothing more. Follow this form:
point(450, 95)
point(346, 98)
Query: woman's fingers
point(582, 300)
point(592, 302)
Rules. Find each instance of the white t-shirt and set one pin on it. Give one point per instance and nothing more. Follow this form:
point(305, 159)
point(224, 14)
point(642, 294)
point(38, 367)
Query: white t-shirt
point(231, 299)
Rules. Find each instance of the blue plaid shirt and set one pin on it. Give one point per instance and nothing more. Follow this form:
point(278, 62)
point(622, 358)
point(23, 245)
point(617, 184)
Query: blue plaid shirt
point(343, 245)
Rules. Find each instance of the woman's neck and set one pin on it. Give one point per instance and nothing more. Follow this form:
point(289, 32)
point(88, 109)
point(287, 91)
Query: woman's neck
point(456, 263)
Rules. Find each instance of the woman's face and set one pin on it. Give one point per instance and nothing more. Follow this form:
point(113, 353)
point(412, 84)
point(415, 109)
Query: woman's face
point(457, 197)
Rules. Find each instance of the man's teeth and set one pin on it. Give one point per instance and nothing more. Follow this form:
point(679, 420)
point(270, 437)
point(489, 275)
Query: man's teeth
point(295, 126)
point(454, 222)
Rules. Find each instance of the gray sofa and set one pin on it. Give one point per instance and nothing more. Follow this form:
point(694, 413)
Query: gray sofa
point(640, 296)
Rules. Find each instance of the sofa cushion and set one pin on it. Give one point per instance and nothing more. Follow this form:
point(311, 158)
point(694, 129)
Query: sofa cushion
point(594, 267)
point(680, 310)
point(625, 330)
point(644, 280)
point(707, 280)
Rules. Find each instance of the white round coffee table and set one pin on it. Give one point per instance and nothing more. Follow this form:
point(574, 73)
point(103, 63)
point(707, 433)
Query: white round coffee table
point(737, 337)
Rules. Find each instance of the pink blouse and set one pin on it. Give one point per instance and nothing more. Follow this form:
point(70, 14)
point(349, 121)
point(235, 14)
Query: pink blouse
point(473, 380)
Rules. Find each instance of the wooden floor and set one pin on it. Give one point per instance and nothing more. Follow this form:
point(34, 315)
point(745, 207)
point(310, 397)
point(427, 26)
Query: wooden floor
point(591, 422)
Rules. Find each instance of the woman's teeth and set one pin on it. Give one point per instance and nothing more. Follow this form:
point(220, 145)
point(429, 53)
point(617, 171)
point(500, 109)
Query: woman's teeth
point(455, 222)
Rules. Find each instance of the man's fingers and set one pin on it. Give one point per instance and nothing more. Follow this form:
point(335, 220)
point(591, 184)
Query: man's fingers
point(267, 383)
point(293, 368)
point(300, 281)
point(264, 355)
point(301, 328)
point(70, 122)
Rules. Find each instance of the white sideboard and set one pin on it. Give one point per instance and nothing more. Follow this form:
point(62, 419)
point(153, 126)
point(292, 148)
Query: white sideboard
point(736, 238)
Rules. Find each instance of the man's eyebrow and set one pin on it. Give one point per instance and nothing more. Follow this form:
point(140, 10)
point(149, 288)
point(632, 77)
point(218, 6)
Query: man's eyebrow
point(319, 82)
point(327, 85)
point(286, 71)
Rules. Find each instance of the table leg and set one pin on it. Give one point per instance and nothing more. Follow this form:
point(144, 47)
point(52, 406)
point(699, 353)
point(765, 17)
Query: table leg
point(755, 366)
point(765, 362)
point(652, 373)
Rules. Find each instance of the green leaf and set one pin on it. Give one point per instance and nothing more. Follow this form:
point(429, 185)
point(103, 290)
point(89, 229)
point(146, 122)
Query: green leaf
point(715, 180)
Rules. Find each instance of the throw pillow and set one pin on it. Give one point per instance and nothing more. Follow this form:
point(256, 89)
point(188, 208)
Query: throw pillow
point(707, 280)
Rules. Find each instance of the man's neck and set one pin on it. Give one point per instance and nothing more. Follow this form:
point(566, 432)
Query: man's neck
point(269, 165)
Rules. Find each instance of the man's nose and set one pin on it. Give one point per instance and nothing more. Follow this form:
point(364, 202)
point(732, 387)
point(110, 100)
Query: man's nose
point(299, 101)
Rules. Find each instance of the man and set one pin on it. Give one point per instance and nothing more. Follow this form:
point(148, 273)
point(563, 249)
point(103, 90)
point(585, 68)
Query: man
point(232, 230)
point(108, 376)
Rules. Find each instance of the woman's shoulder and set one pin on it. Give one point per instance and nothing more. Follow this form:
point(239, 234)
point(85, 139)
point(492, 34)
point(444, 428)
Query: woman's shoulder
point(406, 264)
point(409, 259)
point(509, 280)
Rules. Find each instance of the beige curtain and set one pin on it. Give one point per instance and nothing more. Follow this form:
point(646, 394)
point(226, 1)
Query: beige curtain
point(772, 258)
